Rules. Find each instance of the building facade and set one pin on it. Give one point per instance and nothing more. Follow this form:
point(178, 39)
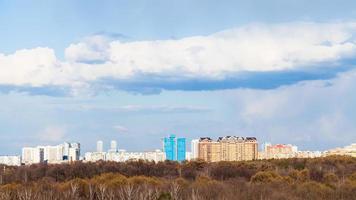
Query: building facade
point(174, 148)
point(95, 156)
point(99, 146)
point(349, 150)
point(32, 155)
point(113, 146)
point(169, 146)
point(194, 149)
point(229, 148)
point(10, 160)
point(181, 149)
point(278, 151)
point(51, 154)
point(122, 156)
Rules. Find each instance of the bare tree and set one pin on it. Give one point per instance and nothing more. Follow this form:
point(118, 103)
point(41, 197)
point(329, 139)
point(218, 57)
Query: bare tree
point(195, 194)
point(5, 194)
point(26, 193)
point(91, 191)
point(74, 190)
point(128, 191)
point(175, 190)
point(102, 189)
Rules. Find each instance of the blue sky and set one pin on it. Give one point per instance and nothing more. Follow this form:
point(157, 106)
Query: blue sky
point(136, 71)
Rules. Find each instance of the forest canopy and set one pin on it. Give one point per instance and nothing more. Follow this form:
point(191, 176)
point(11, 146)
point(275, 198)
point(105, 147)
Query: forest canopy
point(318, 178)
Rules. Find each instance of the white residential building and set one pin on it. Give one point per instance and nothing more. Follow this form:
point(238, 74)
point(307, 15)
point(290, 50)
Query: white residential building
point(95, 156)
point(194, 149)
point(156, 155)
point(113, 146)
point(309, 154)
point(52, 154)
point(31, 155)
point(349, 150)
point(66, 146)
point(122, 156)
point(10, 160)
point(99, 146)
point(74, 154)
point(188, 156)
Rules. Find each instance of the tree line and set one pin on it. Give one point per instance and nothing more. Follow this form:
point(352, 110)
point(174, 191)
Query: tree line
point(331, 177)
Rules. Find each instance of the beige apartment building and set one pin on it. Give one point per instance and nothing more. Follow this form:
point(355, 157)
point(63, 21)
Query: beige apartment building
point(229, 148)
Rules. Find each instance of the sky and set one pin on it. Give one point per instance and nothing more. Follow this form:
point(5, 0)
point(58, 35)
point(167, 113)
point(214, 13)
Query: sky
point(136, 71)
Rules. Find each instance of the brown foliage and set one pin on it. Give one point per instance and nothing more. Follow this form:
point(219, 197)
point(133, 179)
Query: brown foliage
point(320, 178)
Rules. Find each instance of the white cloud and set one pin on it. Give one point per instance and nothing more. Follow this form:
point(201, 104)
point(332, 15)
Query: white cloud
point(250, 48)
point(92, 49)
point(256, 47)
point(33, 67)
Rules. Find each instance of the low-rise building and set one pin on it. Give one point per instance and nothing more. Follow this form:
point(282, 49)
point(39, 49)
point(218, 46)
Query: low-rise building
point(309, 154)
point(10, 160)
point(123, 155)
point(349, 150)
point(95, 156)
point(278, 151)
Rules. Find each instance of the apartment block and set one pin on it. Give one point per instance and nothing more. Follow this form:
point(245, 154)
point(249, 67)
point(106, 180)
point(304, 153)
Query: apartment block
point(229, 148)
point(10, 160)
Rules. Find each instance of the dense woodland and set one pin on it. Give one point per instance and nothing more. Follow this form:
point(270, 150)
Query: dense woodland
point(319, 178)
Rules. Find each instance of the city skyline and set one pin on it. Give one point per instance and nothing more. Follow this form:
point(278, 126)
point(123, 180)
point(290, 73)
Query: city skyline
point(188, 145)
point(137, 71)
point(225, 148)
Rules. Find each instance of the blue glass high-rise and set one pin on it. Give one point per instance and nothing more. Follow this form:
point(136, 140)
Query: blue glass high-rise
point(170, 147)
point(181, 149)
point(174, 148)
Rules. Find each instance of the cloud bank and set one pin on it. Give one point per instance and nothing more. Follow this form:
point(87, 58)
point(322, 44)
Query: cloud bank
point(310, 114)
point(253, 56)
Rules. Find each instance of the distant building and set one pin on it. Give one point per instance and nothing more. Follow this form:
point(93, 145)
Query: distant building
point(122, 156)
point(188, 156)
point(157, 156)
point(309, 154)
point(66, 146)
point(113, 146)
point(194, 149)
point(229, 148)
point(174, 148)
point(283, 151)
point(278, 151)
point(31, 155)
point(181, 149)
point(10, 160)
point(169, 146)
point(71, 151)
point(95, 156)
point(344, 151)
point(99, 146)
point(74, 154)
point(51, 154)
